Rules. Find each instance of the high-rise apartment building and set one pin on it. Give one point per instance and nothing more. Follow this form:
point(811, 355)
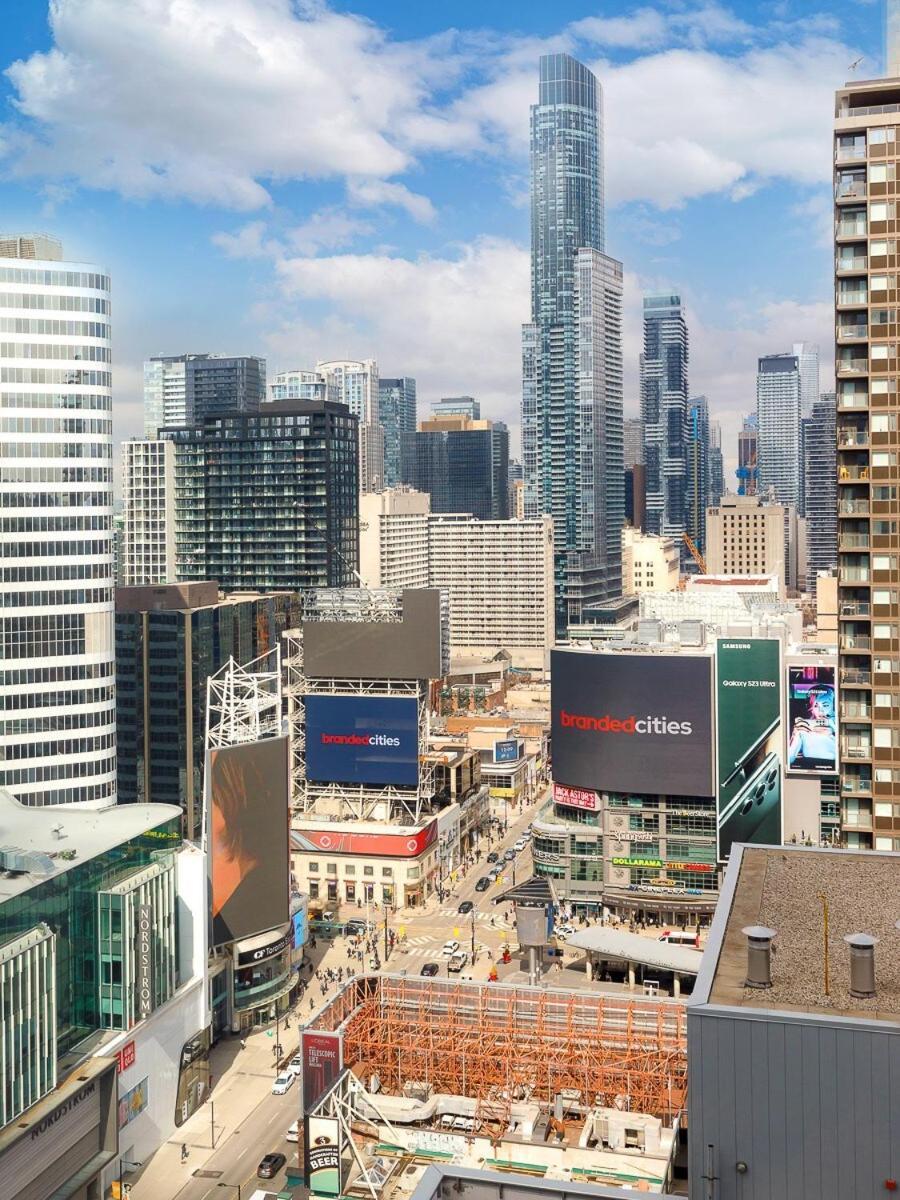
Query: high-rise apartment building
point(747, 472)
point(148, 498)
point(866, 155)
point(807, 356)
point(268, 501)
point(397, 416)
point(57, 654)
point(462, 464)
point(778, 408)
point(571, 351)
point(457, 406)
point(716, 483)
point(744, 536)
point(300, 384)
point(355, 383)
point(698, 469)
point(633, 442)
point(664, 410)
point(182, 388)
point(820, 484)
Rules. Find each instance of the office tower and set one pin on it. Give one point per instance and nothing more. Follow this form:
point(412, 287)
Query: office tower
point(169, 641)
point(716, 476)
point(393, 539)
point(821, 489)
point(571, 364)
point(807, 356)
point(747, 470)
point(664, 409)
point(649, 563)
point(356, 385)
point(778, 429)
point(698, 470)
point(182, 388)
point(268, 501)
point(635, 476)
point(462, 464)
point(148, 497)
point(300, 385)
point(745, 536)
point(633, 442)
point(397, 414)
point(57, 658)
point(457, 406)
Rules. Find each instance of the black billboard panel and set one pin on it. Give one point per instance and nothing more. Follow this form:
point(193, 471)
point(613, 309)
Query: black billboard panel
point(407, 649)
point(632, 722)
point(248, 838)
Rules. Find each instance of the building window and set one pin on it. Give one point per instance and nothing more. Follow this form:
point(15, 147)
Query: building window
point(314, 868)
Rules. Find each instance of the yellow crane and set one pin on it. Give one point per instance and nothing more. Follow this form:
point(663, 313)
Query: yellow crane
point(695, 553)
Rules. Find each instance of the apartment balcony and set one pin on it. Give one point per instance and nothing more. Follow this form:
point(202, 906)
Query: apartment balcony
point(854, 507)
point(848, 191)
point(854, 541)
point(850, 228)
point(852, 439)
point(851, 331)
point(855, 677)
point(856, 785)
point(849, 367)
point(846, 264)
point(848, 474)
point(856, 608)
point(852, 401)
point(852, 298)
point(856, 643)
point(856, 750)
point(856, 712)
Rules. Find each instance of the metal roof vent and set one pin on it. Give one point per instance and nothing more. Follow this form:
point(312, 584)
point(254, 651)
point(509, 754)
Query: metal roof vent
point(862, 964)
point(759, 956)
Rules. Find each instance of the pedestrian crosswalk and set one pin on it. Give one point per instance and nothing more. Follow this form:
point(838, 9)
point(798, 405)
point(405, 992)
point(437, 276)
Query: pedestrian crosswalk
point(466, 918)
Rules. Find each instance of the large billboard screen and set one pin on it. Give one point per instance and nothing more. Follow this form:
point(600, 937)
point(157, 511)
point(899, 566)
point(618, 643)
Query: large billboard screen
point(632, 722)
point(407, 649)
point(323, 1060)
point(748, 698)
point(248, 838)
point(812, 720)
point(362, 739)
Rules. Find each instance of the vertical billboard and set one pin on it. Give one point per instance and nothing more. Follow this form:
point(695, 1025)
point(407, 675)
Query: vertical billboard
point(362, 739)
point(812, 720)
point(632, 722)
point(144, 960)
point(323, 1156)
point(323, 1058)
point(748, 702)
point(248, 838)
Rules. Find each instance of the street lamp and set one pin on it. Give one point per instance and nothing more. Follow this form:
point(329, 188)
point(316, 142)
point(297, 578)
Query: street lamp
point(131, 1166)
point(234, 1186)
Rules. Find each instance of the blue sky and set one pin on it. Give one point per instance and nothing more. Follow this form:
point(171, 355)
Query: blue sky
point(304, 180)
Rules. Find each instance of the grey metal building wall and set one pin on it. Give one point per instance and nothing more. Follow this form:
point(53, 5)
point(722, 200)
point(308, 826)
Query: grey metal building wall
point(811, 1106)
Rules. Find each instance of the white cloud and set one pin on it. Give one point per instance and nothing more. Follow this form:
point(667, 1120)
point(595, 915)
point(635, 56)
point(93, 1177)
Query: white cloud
point(372, 193)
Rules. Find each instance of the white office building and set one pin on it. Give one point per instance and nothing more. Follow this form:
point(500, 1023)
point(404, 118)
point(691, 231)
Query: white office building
point(498, 574)
point(165, 393)
point(649, 563)
point(355, 383)
point(778, 447)
point(148, 494)
point(57, 650)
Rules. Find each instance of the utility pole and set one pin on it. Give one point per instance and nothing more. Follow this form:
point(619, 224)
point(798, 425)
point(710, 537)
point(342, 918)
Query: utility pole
point(385, 931)
point(473, 936)
point(212, 1124)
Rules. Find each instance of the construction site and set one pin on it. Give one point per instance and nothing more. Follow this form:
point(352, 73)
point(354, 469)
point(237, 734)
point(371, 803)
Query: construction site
point(577, 1086)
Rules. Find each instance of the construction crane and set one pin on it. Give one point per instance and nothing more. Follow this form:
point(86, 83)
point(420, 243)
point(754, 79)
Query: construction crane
point(695, 553)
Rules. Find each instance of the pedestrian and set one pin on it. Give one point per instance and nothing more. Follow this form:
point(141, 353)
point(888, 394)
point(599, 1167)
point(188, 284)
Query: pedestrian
point(184, 1152)
point(243, 1043)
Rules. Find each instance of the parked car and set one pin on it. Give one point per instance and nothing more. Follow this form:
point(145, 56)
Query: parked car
point(430, 969)
point(493, 857)
point(283, 1083)
point(449, 948)
point(295, 1066)
point(483, 884)
point(270, 1166)
point(465, 907)
point(457, 961)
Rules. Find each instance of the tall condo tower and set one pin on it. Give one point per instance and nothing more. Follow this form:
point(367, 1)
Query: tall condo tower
point(779, 448)
point(572, 404)
point(57, 647)
point(664, 409)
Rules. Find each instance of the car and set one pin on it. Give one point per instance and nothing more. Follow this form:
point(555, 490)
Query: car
point(465, 907)
point(295, 1066)
point(430, 969)
point(293, 1132)
point(520, 845)
point(328, 916)
point(493, 857)
point(509, 855)
point(449, 948)
point(270, 1165)
point(356, 925)
point(374, 963)
point(283, 1083)
point(495, 872)
point(483, 884)
point(457, 961)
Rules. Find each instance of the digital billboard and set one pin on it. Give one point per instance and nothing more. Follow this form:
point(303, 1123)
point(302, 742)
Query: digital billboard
point(248, 838)
point(812, 720)
point(323, 1059)
point(632, 722)
point(362, 739)
point(323, 1156)
point(506, 751)
point(408, 649)
point(748, 700)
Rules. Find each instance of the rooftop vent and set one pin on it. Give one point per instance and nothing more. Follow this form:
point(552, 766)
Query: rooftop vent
point(759, 956)
point(862, 964)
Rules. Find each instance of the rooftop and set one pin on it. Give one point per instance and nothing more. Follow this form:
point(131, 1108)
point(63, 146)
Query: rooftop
point(47, 833)
point(783, 888)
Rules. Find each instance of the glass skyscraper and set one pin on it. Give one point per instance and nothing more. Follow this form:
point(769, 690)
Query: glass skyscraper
point(571, 349)
point(664, 409)
point(397, 414)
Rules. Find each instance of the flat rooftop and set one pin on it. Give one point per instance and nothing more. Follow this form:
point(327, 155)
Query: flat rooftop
point(49, 832)
point(782, 887)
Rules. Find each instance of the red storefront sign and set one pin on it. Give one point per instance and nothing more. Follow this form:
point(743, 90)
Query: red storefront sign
point(575, 797)
point(377, 845)
point(125, 1058)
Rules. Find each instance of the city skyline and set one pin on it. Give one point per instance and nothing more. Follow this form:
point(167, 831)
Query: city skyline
point(299, 260)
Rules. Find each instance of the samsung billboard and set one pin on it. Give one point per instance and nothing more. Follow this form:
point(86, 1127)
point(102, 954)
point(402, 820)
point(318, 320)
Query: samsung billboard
point(632, 722)
point(362, 739)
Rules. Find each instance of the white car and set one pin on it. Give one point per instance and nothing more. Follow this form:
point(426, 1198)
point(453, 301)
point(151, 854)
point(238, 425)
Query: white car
point(520, 845)
point(295, 1066)
point(283, 1083)
point(449, 948)
point(564, 931)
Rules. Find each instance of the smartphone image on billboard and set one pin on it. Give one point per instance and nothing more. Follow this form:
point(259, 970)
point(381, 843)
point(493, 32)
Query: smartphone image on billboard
point(753, 813)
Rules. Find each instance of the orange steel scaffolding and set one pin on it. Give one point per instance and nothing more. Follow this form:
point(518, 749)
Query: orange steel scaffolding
point(489, 1041)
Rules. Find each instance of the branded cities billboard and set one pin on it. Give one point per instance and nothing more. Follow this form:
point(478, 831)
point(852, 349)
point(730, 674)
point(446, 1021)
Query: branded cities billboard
point(362, 739)
point(632, 722)
point(248, 838)
point(323, 1059)
point(748, 700)
point(812, 720)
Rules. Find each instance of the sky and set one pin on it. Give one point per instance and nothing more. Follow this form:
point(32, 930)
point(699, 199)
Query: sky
point(308, 181)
